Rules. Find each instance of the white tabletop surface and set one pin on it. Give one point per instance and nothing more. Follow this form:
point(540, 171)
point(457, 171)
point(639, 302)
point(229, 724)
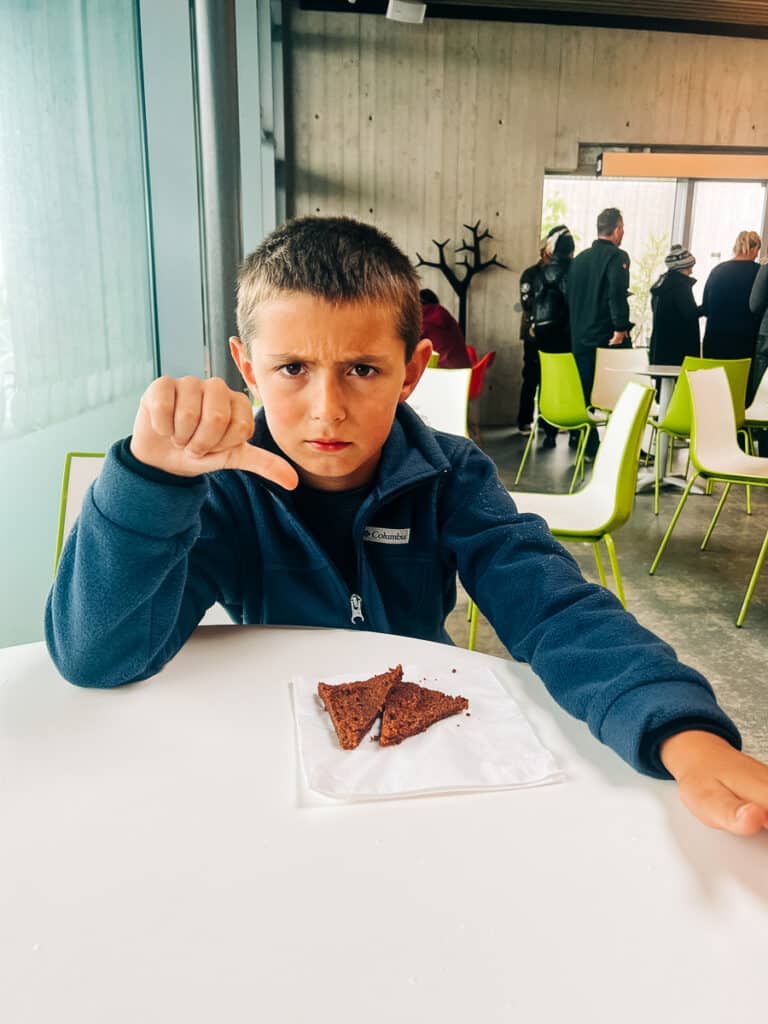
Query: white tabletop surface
point(159, 862)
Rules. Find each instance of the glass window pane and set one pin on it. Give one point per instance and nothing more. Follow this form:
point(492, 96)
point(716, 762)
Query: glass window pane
point(76, 312)
point(721, 209)
point(647, 205)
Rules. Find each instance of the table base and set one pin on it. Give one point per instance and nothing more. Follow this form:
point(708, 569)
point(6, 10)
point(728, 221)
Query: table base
point(646, 481)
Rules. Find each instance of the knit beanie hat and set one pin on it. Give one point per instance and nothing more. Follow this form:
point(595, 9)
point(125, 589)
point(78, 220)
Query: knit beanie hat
point(679, 258)
point(559, 242)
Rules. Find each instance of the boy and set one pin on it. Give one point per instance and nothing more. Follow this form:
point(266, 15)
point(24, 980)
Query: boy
point(285, 524)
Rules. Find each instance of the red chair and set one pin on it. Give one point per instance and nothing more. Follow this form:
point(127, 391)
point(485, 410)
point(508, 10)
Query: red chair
point(479, 366)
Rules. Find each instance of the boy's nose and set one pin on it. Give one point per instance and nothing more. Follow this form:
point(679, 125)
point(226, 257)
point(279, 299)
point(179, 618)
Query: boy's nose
point(328, 401)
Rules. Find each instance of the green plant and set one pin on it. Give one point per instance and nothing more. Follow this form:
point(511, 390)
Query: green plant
point(643, 272)
point(556, 212)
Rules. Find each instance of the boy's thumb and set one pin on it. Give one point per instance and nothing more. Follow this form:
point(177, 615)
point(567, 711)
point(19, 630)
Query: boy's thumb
point(256, 460)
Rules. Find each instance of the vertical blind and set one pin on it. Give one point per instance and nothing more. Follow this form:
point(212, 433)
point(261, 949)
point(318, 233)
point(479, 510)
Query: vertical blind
point(76, 320)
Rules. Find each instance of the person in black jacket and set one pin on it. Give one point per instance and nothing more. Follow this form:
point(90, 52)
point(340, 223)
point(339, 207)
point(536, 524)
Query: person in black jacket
point(598, 285)
point(531, 372)
point(675, 313)
point(758, 304)
point(551, 321)
point(731, 329)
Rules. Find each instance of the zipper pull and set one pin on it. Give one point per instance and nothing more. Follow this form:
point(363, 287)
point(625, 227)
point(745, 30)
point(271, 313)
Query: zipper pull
point(356, 604)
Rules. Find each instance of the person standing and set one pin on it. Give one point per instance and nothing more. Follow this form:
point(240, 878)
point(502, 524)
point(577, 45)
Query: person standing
point(550, 308)
point(444, 332)
point(731, 330)
point(758, 304)
point(531, 372)
point(675, 333)
point(598, 285)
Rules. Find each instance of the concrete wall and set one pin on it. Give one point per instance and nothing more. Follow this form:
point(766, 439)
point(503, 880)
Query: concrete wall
point(421, 129)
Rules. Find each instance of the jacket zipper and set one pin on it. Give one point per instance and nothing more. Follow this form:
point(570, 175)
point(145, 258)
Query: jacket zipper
point(356, 604)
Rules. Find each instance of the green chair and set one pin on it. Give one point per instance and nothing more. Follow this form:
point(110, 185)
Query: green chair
point(561, 403)
point(716, 456)
point(434, 359)
point(80, 470)
point(595, 512)
point(677, 419)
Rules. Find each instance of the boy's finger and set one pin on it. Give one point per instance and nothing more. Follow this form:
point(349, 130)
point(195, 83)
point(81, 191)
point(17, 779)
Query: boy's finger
point(187, 410)
point(256, 460)
point(159, 402)
point(240, 427)
point(719, 807)
point(213, 419)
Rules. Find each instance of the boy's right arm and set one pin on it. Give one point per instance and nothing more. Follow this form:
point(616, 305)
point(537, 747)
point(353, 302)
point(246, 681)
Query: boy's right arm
point(124, 599)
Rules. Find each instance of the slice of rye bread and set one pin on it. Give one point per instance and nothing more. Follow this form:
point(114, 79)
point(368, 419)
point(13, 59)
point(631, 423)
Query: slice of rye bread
point(410, 709)
point(354, 707)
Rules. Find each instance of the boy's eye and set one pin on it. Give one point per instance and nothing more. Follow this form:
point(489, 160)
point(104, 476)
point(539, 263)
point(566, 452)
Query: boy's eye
point(292, 369)
point(364, 370)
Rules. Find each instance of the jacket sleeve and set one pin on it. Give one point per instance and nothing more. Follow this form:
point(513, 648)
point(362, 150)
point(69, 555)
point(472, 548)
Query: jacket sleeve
point(617, 279)
point(705, 297)
point(136, 575)
point(595, 659)
point(527, 286)
point(758, 297)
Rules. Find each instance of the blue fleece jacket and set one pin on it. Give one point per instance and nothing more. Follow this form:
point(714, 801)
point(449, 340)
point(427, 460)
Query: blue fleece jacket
point(147, 557)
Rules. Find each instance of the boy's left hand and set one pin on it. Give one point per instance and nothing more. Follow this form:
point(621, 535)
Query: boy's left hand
point(718, 784)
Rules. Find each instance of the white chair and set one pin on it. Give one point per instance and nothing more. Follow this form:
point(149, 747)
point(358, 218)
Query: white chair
point(614, 368)
point(596, 511)
point(716, 456)
point(80, 471)
point(441, 398)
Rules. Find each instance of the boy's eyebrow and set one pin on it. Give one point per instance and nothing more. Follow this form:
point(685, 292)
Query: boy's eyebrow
point(357, 357)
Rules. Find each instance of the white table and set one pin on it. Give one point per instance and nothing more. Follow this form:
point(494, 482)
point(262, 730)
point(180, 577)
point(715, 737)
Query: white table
point(159, 862)
point(646, 479)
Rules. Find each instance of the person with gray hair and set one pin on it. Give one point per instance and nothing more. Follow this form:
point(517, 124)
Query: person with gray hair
point(598, 285)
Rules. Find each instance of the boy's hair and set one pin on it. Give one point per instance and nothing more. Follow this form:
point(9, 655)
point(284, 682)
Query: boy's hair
point(607, 221)
point(333, 258)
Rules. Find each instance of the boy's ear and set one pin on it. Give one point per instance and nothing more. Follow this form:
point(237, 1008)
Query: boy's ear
point(415, 366)
point(240, 355)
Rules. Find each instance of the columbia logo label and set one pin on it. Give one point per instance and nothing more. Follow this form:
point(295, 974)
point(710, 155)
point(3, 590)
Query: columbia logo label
point(386, 535)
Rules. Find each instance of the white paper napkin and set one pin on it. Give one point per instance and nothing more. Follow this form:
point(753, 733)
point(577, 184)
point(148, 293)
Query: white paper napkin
point(494, 747)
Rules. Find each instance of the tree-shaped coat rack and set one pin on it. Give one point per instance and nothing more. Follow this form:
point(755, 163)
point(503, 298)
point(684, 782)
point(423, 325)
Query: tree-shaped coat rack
point(473, 263)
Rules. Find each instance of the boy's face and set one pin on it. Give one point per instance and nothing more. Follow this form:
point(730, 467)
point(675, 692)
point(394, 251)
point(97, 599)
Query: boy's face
point(330, 378)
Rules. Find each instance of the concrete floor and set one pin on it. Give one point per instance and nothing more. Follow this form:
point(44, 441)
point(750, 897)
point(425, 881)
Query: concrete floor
point(694, 598)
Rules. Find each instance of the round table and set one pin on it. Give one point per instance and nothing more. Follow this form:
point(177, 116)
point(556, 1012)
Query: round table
point(162, 861)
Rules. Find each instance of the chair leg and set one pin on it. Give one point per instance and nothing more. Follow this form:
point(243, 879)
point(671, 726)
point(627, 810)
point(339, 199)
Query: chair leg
point(753, 581)
point(581, 448)
point(656, 478)
point(651, 443)
point(472, 627)
point(615, 568)
point(531, 436)
point(670, 528)
point(716, 516)
point(599, 561)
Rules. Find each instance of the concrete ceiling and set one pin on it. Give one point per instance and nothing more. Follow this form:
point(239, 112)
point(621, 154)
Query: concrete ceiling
point(717, 17)
point(730, 12)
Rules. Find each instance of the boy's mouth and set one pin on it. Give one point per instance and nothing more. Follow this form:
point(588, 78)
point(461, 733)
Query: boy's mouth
point(328, 445)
